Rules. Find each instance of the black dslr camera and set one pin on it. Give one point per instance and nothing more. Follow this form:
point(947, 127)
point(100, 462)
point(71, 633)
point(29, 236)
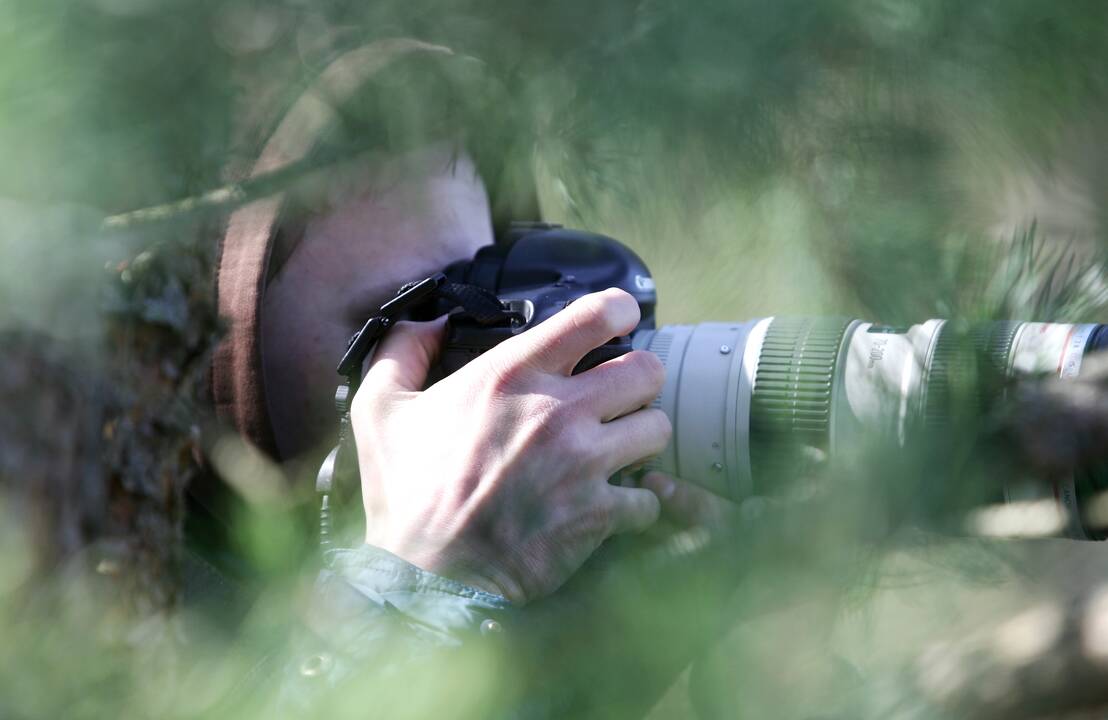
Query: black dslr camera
point(540, 269)
point(507, 288)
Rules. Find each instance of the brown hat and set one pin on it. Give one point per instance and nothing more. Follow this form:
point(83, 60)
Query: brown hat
point(238, 386)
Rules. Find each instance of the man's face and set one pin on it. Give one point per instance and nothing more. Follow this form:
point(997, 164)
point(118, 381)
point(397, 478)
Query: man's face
point(397, 221)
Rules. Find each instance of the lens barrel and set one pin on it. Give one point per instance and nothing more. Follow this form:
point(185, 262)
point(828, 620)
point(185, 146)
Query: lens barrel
point(750, 402)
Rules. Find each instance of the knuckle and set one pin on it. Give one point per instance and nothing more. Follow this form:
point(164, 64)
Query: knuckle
point(650, 368)
point(501, 374)
point(578, 442)
point(629, 511)
point(603, 518)
point(597, 520)
point(545, 420)
point(659, 427)
point(649, 506)
point(549, 411)
point(519, 355)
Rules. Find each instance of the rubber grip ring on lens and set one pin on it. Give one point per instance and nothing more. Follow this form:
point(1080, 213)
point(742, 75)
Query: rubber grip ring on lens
point(955, 359)
point(791, 402)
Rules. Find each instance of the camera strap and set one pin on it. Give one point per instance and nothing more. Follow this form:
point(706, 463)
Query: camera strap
point(339, 471)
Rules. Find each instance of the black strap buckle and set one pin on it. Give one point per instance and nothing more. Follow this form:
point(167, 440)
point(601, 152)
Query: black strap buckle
point(362, 342)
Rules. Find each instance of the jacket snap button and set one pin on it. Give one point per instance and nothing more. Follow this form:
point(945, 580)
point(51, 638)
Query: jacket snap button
point(490, 627)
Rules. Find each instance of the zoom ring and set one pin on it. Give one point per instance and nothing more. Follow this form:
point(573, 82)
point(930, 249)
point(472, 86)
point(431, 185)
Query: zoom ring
point(967, 370)
point(791, 403)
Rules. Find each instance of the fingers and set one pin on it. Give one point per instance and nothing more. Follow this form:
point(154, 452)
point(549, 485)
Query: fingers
point(631, 509)
point(404, 357)
point(633, 437)
point(621, 385)
point(557, 344)
point(686, 504)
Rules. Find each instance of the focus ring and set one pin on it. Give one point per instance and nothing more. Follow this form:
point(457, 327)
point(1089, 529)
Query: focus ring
point(967, 366)
point(791, 401)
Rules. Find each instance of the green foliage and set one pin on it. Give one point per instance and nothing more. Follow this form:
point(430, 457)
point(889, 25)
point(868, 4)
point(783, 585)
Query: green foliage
point(889, 159)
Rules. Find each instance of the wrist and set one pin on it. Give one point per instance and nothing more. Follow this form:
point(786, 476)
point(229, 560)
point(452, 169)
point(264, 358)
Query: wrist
point(399, 589)
point(488, 579)
point(459, 562)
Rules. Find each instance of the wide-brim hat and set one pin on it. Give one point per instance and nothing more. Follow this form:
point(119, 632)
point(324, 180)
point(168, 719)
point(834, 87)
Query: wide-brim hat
point(238, 383)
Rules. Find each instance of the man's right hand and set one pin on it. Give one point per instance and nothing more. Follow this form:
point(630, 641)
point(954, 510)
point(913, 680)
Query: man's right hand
point(497, 475)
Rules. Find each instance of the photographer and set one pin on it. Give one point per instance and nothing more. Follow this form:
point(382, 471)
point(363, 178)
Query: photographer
point(486, 490)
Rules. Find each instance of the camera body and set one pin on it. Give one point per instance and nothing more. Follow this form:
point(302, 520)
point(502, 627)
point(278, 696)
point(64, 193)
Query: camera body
point(538, 270)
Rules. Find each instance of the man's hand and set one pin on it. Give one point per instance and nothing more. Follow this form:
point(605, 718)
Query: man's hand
point(688, 506)
point(498, 474)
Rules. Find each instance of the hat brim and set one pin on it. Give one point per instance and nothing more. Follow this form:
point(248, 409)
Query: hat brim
point(238, 381)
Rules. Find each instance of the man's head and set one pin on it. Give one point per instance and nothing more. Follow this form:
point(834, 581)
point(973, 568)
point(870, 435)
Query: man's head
point(300, 271)
point(383, 224)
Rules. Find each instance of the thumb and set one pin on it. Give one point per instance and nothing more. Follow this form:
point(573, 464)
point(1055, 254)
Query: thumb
point(403, 359)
